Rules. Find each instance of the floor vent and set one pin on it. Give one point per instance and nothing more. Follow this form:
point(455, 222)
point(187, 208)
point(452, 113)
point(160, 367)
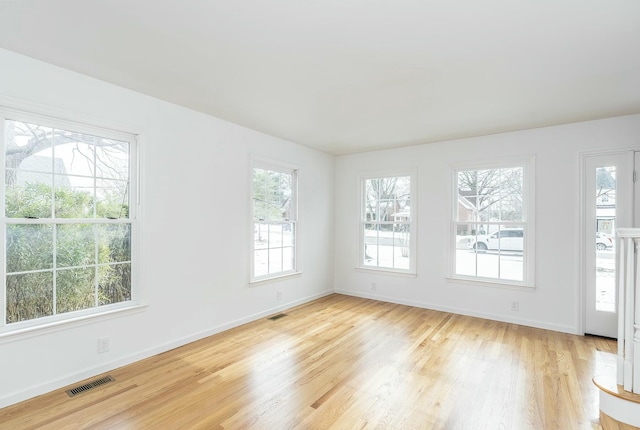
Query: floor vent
point(90, 386)
point(277, 317)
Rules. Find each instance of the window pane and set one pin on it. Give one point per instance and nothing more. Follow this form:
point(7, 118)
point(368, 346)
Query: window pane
point(112, 159)
point(371, 234)
point(29, 247)
point(272, 208)
point(112, 199)
point(506, 238)
point(466, 235)
point(605, 252)
point(493, 206)
point(275, 260)
point(114, 243)
point(466, 262)
point(605, 249)
point(288, 234)
point(275, 235)
point(28, 147)
point(466, 243)
point(485, 191)
point(467, 208)
point(513, 193)
point(371, 200)
point(488, 264)
point(74, 197)
point(386, 246)
point(260, 263)
point(402, 191)
point(386, 210)
point(288, 259)
point(401, 241)
point(259, 194)
point(75, 289)
point(75, 245)
point(114, 283)
point(402, 210)
point(28, 195)
point(29, 296)
point(260, 235)
point(511, 266)
point(284, 195)
point(74, 153)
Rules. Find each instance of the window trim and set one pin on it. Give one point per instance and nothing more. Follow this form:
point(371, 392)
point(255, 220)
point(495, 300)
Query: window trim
point(275, 166)
point(48, 117)
point(528, 222)
point(413, 196)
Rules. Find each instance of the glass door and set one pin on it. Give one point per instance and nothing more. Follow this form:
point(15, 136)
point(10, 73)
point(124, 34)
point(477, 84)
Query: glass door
point(608, 202)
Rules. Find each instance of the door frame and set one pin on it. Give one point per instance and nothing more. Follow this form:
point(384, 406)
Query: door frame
point(583, 156)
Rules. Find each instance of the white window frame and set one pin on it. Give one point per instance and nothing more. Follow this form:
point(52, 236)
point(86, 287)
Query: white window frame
point(66, 121)
point(528, 165)
point(413, 231)
point(275, 166)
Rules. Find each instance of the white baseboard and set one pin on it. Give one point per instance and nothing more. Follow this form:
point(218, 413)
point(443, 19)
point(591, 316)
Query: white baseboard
point(107, 367)
point(460, 311)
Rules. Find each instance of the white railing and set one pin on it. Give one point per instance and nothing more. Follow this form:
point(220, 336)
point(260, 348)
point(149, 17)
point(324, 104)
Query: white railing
point(629, 309)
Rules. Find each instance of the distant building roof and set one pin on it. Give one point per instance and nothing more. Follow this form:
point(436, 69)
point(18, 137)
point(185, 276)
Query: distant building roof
point(32, 170)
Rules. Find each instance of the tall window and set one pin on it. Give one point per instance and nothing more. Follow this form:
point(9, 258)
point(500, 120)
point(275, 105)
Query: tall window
point(387, 223)
point(274, 199)
point(67, 220)
point(492, 224)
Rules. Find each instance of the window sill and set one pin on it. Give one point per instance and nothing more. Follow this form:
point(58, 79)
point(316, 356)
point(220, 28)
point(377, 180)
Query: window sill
point(51, 327)
point(391, 272)
point(257, 282)
point(485, 282)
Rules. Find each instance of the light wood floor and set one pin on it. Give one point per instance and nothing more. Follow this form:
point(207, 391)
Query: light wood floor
point(347, 363)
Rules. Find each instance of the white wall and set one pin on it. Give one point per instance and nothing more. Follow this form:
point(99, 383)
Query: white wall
point(195, 230)
point(555, 302)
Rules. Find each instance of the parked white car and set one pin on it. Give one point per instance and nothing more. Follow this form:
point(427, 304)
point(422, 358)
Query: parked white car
point(603, 241)
point(512, 239)
point(508, 239)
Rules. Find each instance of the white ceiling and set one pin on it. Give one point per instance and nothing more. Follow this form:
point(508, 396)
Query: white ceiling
point(346, 76)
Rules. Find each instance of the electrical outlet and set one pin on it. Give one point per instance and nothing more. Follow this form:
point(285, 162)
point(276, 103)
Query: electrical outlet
point(374, 287)
point(515, 306)
point(103, 345)
point(278, 295)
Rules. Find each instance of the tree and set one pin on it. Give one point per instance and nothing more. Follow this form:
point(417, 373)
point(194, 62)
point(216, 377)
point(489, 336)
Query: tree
point(605, 181)
point(386, 196)
point(496, 193)
point(271, 195)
